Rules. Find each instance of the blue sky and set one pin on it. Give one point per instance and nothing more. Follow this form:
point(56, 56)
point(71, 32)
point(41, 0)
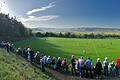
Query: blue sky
point(64, 13)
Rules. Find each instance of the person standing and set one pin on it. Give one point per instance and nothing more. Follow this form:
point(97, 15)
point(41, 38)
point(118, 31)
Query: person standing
point(8, 47)
point(35, 57)
point(31, 56)
point(105, 64)
point(58, 64)
point(88, 65)
point(43, 62)
point(64, 65)
point(118, 67)
point(81, 66)
point(19, 51)
point(25, 53)
point(28, 54)
point(36, 54)
point(73, 63)
point(2, 44)
point(98, 69)
point(48, 61)
point(53, 62)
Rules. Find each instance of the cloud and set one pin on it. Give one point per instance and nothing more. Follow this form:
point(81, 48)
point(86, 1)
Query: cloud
point(37, 19)
point(40, 9)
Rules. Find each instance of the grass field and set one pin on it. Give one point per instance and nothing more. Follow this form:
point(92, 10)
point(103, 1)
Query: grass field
point(13, 67)
point(65, 47)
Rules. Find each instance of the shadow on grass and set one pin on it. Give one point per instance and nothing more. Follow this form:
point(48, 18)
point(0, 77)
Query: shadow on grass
point(42, 45)
point(45, 47)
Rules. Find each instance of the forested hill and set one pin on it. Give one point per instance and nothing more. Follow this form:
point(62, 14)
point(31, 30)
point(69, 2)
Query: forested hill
point(11, 28)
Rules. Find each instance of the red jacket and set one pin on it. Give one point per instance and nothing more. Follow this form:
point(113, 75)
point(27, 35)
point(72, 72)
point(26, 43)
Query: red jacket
point(118, 62)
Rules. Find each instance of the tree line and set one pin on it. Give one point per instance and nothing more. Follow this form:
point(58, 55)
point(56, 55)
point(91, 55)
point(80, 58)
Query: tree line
point(11, 28)
point(78, 35)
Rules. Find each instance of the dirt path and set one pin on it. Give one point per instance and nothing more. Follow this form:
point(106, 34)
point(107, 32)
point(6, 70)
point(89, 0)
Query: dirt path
point(60, 76)
point(63, 77)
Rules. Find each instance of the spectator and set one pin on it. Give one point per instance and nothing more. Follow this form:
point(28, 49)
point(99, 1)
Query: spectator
point(25, 53)
point(31, 55)
point(28, 52)
point(12, 47)
point(8, 47)
point(35, 56)
point(1, 44)
point(105, 65)
point(58, 64)
point(73, 63)
point(81, 66)
point(64, 64)
point(53, 62)
point(88, 65)
point(118, 67)
point(19, 51)
point(43, 62)
point(98, 69)
point(48, 61)
point(111, 68)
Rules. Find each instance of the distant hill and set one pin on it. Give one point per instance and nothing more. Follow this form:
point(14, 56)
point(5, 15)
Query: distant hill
point(13, 67)
point(76, 29)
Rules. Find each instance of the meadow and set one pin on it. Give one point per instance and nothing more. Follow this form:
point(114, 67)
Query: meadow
point(65, 47)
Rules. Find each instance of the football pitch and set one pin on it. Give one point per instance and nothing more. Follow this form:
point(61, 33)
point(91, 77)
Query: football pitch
point(65, 47)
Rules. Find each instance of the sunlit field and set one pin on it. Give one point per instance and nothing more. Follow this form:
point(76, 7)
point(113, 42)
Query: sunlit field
point(65, 47)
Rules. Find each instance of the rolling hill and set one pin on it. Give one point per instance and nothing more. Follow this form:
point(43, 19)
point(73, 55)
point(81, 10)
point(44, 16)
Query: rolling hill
point(14, 67)
point(87, 29)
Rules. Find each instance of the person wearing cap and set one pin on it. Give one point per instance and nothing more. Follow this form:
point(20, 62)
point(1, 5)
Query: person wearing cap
point(73, 63)
point(105, 65)
point(88, 65)
point(81, 66)
point(98, 69)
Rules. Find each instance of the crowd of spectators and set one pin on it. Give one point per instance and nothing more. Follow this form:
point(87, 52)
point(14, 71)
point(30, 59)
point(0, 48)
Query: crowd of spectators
point(81, 67)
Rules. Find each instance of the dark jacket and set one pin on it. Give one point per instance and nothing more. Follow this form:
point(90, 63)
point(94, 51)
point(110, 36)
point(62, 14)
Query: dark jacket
point(98, 68)
point(73, 62)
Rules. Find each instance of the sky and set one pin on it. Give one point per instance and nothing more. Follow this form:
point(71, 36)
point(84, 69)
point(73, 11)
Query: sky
point(64, 13)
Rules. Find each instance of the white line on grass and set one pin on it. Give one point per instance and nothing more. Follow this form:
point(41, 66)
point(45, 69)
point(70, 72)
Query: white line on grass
point(95, 49)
